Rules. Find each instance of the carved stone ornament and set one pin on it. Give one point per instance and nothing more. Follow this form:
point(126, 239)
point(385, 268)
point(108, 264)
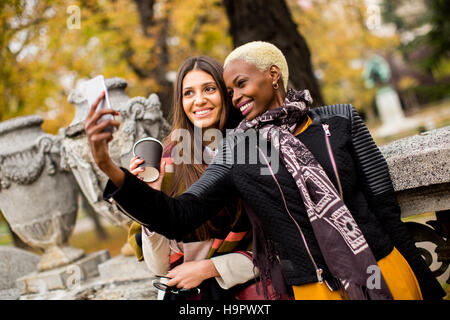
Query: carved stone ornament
point(139, 117)
point(37, 197)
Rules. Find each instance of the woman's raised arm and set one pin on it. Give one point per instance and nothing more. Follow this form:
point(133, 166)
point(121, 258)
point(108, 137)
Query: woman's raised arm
point(174, 217)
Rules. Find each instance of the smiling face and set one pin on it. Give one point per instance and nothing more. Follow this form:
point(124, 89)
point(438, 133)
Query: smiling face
point(202, 102)
point(251, 90)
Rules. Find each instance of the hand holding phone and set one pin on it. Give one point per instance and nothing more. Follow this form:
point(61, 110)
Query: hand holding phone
point(93, 89)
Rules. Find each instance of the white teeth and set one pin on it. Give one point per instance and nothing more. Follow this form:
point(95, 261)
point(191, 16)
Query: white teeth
point(245, 106)
point(202, 112)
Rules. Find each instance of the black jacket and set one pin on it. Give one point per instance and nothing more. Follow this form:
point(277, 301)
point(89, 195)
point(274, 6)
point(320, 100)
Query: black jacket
point(367, 190)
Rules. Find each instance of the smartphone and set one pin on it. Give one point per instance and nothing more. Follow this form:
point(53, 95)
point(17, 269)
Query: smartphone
point(93, 89)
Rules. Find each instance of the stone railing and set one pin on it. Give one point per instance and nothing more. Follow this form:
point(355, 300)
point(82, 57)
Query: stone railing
point(420, 170)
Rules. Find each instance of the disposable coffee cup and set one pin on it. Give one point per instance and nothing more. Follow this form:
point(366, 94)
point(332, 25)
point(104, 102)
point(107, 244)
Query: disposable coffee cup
point(150, 149)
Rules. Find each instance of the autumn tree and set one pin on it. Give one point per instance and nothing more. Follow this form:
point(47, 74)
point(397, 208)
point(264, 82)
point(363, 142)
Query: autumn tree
point(20, 32)
point(145, 42)
point(155, 25)
point(44, 53)
point(180, 29)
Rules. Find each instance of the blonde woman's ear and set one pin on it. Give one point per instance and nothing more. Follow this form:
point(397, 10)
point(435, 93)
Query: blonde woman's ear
point(275, 74)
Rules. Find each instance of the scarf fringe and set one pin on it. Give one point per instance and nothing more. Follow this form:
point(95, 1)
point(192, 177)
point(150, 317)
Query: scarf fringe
point(266, 260)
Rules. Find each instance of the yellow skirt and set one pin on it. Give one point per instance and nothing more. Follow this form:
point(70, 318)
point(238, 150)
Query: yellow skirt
point(396, 271)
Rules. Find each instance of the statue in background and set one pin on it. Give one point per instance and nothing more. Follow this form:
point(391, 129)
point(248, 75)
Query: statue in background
point(377, 74)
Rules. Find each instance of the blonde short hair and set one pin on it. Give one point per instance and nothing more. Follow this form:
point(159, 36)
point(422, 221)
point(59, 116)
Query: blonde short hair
point(262, 55)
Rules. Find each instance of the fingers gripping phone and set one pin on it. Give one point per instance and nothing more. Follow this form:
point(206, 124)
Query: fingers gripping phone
point(93, 89)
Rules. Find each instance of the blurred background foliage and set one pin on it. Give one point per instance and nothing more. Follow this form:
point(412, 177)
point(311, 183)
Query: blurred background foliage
point(340, 42)
point(43, 57)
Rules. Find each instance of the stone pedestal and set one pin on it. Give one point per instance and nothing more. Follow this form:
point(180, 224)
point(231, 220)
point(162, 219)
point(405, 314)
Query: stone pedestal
point(122, 268)
point(67, 277)
point(14, 263)
point(119, 278)
point(391, 113)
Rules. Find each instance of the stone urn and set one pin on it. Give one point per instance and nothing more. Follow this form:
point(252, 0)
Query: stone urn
point(37, 197)
point(139, 117)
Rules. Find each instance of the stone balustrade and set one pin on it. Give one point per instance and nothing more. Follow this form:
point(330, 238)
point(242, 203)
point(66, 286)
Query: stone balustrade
point(420, 170)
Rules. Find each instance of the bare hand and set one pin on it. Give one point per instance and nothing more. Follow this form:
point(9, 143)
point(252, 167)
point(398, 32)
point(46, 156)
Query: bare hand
point(135, 169)
point(191, 274)
point(98, 141)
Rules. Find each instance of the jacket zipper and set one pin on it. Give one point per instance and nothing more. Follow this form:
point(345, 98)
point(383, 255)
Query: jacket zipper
point(319, 271)
point(330, 154)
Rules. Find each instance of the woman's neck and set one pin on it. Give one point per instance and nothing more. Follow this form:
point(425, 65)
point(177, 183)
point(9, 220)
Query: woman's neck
point(278, 99)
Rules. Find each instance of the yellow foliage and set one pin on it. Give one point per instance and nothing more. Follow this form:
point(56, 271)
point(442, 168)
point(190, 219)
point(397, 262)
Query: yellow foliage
point(38, 79)
point(199, 27)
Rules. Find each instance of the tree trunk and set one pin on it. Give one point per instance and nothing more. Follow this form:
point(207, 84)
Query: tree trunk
point(271, 21)
point(148, 21)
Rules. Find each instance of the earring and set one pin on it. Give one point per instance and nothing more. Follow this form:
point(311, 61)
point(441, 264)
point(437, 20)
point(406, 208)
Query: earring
point(275, 85)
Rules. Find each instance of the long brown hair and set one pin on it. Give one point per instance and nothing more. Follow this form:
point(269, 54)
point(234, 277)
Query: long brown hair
point(185, 174)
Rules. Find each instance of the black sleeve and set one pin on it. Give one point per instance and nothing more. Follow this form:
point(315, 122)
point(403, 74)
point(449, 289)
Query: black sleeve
point(380, 194)
point(175, 217)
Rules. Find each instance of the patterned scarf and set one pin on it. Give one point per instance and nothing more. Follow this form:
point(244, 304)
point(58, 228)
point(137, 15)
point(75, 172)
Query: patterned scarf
point(341, 242)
